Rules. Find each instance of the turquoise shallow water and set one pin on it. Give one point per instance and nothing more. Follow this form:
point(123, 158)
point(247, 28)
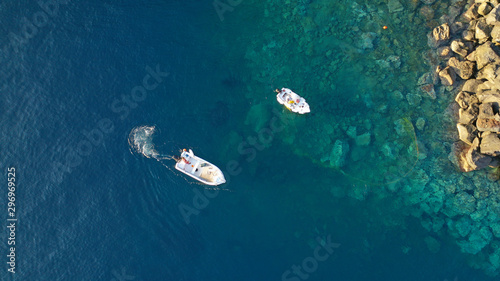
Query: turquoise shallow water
point(385, 199)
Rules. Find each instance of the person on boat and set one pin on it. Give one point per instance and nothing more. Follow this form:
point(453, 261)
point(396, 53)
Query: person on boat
point(281, 92)
point(184, 158)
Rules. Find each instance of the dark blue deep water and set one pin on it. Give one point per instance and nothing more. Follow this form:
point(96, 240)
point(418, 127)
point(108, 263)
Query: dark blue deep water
point(91, 208)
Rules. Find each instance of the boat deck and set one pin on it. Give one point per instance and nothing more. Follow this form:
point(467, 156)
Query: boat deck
point(200, 169)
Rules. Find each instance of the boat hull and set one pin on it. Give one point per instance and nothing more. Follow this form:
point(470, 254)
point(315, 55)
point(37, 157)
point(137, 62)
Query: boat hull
point(292, 101)
point(199, 169)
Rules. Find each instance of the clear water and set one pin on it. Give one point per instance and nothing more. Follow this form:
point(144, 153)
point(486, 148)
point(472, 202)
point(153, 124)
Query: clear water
point(92, 208)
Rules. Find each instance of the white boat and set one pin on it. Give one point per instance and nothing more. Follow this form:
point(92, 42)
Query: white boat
point(292, 101)
point(199, 169)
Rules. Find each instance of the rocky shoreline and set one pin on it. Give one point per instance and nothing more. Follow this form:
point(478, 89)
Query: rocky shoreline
point(390, 139)
point(470, 67)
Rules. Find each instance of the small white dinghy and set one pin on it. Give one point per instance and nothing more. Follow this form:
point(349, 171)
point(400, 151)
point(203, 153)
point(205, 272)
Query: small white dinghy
point(292, 101)
point(199, 169)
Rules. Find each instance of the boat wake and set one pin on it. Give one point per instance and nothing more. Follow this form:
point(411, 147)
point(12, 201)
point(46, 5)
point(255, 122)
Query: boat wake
point(140, 140)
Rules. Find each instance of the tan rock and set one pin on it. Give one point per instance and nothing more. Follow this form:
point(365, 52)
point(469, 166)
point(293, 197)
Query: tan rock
point(489, 96)
point(485, 54)
point(447, 76)
point(488, 125)
point(444, 51)
point(484, 8)
point(490, 144)
point(471, 85)
point(472, 13)
point(490, 72)
point(441, 34)
point(482, 31)
point(467, 133)
point(495, 34)
point(464, 69)
point(475, 159)
point(468, 115)
point(465, 99)
point(493, 16)
point(459, 47)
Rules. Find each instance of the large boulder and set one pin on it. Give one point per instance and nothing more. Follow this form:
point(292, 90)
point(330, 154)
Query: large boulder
point(484, 8)
point(486, 86)
point(490, 72)
point(495, 34)
point(472, 13)
point(490, 144)
point(484, 54)
point(460, 47)
point(475, 159)
point(489, 96)
point(471, 85)
point(486, 111)
point(441, 34)
point(447, 76)
point(465, 99)
point(488, 125)
point(464, 69)
point(483, 30)
point(467, 133)
point(470, 31)
point(493, 16)
point(469, 115)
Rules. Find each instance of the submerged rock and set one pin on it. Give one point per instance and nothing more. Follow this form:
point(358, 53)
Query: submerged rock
point(420, 123)
point(363, 139)
point(464, 203)
point(432, 244)
point(394, 6)
point(338, 154)
point(367, 40)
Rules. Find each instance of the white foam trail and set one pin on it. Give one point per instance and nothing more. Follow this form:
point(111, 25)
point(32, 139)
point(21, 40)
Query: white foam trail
point(140, 140)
